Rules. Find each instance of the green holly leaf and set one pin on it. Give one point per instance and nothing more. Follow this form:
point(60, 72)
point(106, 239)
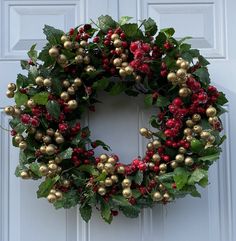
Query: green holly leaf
point(160, 39)
point(120, 200)
point(106, 211)
point(21, 81)
point(181, 177)
point(20, 98)
point(124, 19)
point(212, 157)
point(148, 100)
point(67, 154)
point(221, 100)
point(33, 54)
point(53, 108)
point(20, 128)
point(182, 40)
point(162, 101)
point(168, 32)
point(117, 88)
point(150, 27)
point(101, 84)
point(138, 177)
point(203, 61)
point(102, 144)
point(106, 22)
point(199, 176)
point(132, 31)
point(34, 167)
point(45, 57)
point(69, 199)
point(203, 75)
point(53, 35)
point(24, 64)
point(46, 186)
point(85, 212)
point(130, 211)
point(89, 169)
point(56, 86)
point(41, 98)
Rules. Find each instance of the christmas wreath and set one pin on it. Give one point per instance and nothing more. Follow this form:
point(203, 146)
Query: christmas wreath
point(63, 82)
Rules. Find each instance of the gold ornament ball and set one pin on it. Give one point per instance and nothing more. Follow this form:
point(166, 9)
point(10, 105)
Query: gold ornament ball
point(121, 169)
point(114, 36)
point(181, 73)
point(179, 158)
point(150, 146)
point(211, 111)
point(64, 38)
point(129, 70)
point(188, 161)
point(100, 166)
point(189, 138)
point(52, 167)
point(156, 196)
point(109, 167)
point(64, 96)
point(47, 139)
point(102, 191)
point(184, 65)
point(114, 178)
point(163, 167)
point(72, 104)
point(179, 61)
point(143, 131)
point(122, 72)
point(184, 92)
point(156, 143)
point(166, 196)
point(187, 131)
point(39, 80)
point(51, 198)
point(205, 135)
point(9, 110)
point(196, 117)
point(31, 103)
point(42, 149)
point(71, 90)
point(189, 123)
point(86, 59)
point(79, 59)
point(103, 158)
point(68, 44)
point(43, 170)
point(108, 182)
point(62, 59)
point(127, 193)
point(58, 194)
point(59, 139)
point(211, 139)
point(24, 175)
point(50, 150)
point(172, 77)
point(111, 160)
point(22, 145)
point(18, 138)
point(78, 82)
point(117, 43)
point(156, 158)
point(47, 82)
point(126, 183)
point(66, 183)
point(173, 164)
point(10, 94)
point(53, 52)
point(11, 87)
point(197, 129)
point(117, 62)
point(182, 150)
point(38, 135)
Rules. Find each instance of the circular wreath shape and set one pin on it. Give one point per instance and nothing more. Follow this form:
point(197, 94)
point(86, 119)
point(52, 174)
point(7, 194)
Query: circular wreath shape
point(62, 83)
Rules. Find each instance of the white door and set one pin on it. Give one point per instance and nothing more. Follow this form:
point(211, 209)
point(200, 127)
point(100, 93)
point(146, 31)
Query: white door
point(211, 218)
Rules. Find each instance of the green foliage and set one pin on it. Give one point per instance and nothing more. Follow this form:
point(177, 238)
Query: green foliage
point(20, 98)
point(199, 176)
point(181, 177)
point(34, 167)
point(221, 100)
point(53, 35)
point(45, 57)
point(41, 98)
point(124, 19)
point(33, 54)
point(160, 39)
point(106, 211)
point(24, 64)
point(203, 75)
point(148, 100)
point(168, 32)
point(53, 109)
point(196, 146)
point(101, 84)
point(89, 169)
point(103, 145)
point(46, 186)
point(21, 81)
point(130, 211)
point(106, 22)
point(162, 101)
point(132, 31)
point(85, 212)
point(138, 177)
point(150, 27)
point(69, 199)
point(66, 154)
point(117, 88)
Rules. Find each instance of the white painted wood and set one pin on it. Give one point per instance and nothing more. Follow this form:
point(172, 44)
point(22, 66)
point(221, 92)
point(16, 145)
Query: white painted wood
point(211, 218)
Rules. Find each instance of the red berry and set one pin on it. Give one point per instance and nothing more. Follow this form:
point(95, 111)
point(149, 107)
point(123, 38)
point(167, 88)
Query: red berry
point(133, 46)
point(122, 36)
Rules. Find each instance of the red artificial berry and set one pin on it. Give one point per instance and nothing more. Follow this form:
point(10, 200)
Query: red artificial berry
point(152, 183)
point(23, 90)
point(170, 123)
point(156, 168)
point(89, 90)
point(136, 162)
point(48, 117)
point(168, 133)
point(118, 30)
point(107, 42)
point(143, 190)
point(164, 73)
point(86, 161)
point(63, 127)
point(166, 158)
point(34, 122)
point(142, 166)
point(13, 132)
point(78, 37)
point(133, 46)
point(87, 27)
point(96, 39)
point(168, 143)
point(90, 153)
point(83, 134)
point(132, 201)
point(173, 185)
point(25, 119)
point(124, 44)
point(144, 68)
point(94, 144)
point(167, 45)
point(71, 32)
point(155, 95)
point(114, 213)
point(145, 47)
point(177, 101)
point(122, 36)
point(113, 71)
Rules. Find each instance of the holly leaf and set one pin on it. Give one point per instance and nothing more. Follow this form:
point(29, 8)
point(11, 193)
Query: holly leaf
point(203, 75)
point(150, 27)
point(203, 61)
point(85, 212)
point(106, 211)
point(212, 157)
point(67, 154)
point(106, 22)
point(148, 100)
point(160, 39)
point(21, 81)
point(45, 57)
point(89, 169)
point(101, 84)
point(130, 211)
point(33, 54)
point(20, 98)
point(132, 31)
point(69, 199)
point(181, 177)
point(120, 200)
point(46, 186)
point(162, 101)
point(24, 64)
point(168, 32)
point(56, 86)
point(199, 176)
point(221, 100)
point(124, 19)
point(41, 98)
point(53, 35)
point(138, 177)
point(103, 145)
point(34, 167)
point(117, 88)
point(53, 108)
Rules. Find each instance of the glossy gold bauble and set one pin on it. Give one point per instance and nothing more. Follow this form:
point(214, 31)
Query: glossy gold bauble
point(11, 87)
point(211, 111)
point(161, 187)
point(173, 164)
point(117, 43)
point(138, 79)
point(102, 191)
point(156, 157)
point(67, 44)
point(72, 104)
point(51, 198)
point(114, 36)
point(182, 150)
point(65, 96)
point(188, 161)
point(150, 146)
point(111, 160)
point(156, 196)
point(64, 38)
point(18, 138)
point(79, 59)
point(190, 123)
point(196, 117)
point(184, 92)
point(47, 82)
point(123, 57)
point(52, 167)
point(9, 110)
point(213, 120)
point(39, 81)
point(47, 139)
point(10, 94)
point(172, 77)
point(114, 178)
point(17, 111)
point(179, 158)
point(103, 158)
point(59, 139)
point(83, 43)
point(129, 70)
point(163, 167)
point(24, 175)
point(38, 135)
point(62, 59)
point(179, 61)
point(42, 149)
point(53, 52)
point(187, 131)
point(184, 65)
point(181, 73)
point(90, 69)
point(100, 166)
point(66, 83)
point(126, 183)
point(58, 194)
point(71, 90)
point(58, 159)
point(205, 135)
point(166, 196)
point(108, 182)
point(78, 82)
point(31, 103)
point(109, 167)
point(22, 145)
point(156, 143)
point(143, 131)
point(122, 72)
point(43, 170)
point(197, 129)
point(127, 193)
point(50, 150)
point(189, 138)
point(86, 59)
point(117, 62)
point(211, 139)
point(66, 183)
point(121, 169)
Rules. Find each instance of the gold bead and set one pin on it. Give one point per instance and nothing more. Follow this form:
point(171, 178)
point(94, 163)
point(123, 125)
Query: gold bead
point(109, 167)
point(211, 111)
point(100, 166)
point(66, 183)
point(187, 131)
point(172, 77)
point(42, 149)
point(102, 191)
point(58, 159)
point(24, 175)
point(86, 59)
point(179, 158)
point(114, 36)
point(52, 167)
point(103, 158)
point(150, 146)
point(122, 72)
point(138, 78)
point(31, 103)
point(173, 164)
point(72, 104)
point(17, 111)
point(68, 44)
point(184, 92)
point(11, 87)
point(188, 161)
point(71, 90)
point(51, 198)
point(163, 167)
point(156, 143)
point(197, 129)
point(111, 160)
point(38, 135)
point(121, 169)
point(179, 61)
point(22, 145)
point(127, 193)
point(53, 52)
point(166, 196)
point(47, 82)
point(161, 187)
point(211, 139)
point(129, 70)
point(43, 170)
point(205, 135)
point(50, 150)
point(196, 117)
point(117, 62)
point(184, 65)
point(66, 83)
point(9, 110)
point(181, 73)
point(59, 139)
point(182, 150)
point(83, 43)
point(18, 138)
point(39, 81)
point(10, 94)
point(123, 57)
point(64, 38)
point(62, 59)
point(189, 138)
point(156, 157)
point(156, 196)
point(47, 139)
point(117, 43)
point(58, 194)
point(79, 59)
point(213, 120)
point(114, 178)
point(126, 183)
point(143, 131)
point(78, 82)
point(108, 182)
point(64, 96)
